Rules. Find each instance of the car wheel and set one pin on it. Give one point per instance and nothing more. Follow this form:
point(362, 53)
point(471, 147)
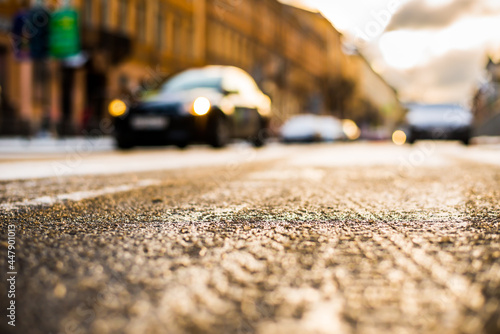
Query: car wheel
point(182, 144)
point(218, 132)
point(466, 141)
point(124, 144)
point(411, 139)
point(259, 139)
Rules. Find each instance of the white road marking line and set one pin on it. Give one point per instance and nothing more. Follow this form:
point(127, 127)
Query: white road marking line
point(78, 195)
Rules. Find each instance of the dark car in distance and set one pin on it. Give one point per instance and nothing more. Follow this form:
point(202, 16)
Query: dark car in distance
point(438, 122)
point(212, 104)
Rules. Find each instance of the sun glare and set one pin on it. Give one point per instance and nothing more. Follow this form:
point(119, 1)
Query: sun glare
point(404, 49)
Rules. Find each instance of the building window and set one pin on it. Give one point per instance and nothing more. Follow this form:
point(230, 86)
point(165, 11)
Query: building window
point(190, 39)
point(228, 36)
point(170, 33)
point(141, 21)
point(234, 47)
point(160, 27)
point(104, 13)
point(87, 9)
point(222, 42)
point(178, 40)
point(123, 15)
point(213, 39)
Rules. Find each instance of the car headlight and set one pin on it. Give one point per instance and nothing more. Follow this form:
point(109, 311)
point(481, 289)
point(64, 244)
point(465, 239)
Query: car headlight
point(351, 130)
point(201, 106)
point(117, 108)
point(265, 108)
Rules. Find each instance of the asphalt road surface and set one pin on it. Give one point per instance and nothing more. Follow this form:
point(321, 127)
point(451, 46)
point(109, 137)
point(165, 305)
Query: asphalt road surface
point(326, 238)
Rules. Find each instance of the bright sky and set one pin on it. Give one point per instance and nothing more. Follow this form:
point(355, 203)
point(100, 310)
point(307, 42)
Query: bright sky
point(430, 50)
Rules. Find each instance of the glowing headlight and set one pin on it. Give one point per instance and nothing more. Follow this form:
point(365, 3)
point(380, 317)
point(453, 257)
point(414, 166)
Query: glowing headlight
point(351, 130)
point(265, 109)
point(201, 106)
point(399, 137)
point(227, 106)
point(117, 108)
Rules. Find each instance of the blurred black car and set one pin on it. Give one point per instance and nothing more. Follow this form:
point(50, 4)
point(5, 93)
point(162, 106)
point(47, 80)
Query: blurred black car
point(211, 105)
point(438, 122)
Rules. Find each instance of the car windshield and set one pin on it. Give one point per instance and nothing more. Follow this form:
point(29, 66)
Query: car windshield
point(193, 79)
point(441, 114)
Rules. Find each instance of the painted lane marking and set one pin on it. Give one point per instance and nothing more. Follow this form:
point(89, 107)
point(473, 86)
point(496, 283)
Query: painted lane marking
point(78, 195)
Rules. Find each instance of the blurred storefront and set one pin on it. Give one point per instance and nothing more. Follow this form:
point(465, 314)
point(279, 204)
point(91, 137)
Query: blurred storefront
point(11, 107)
point(127, 45)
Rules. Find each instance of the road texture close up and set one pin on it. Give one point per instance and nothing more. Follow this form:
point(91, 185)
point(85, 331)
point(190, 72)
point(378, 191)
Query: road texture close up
point(339, 238)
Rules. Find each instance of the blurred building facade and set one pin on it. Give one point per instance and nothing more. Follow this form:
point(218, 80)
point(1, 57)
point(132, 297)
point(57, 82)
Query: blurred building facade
point(373, 103)
point(486, 101)
point(294, 55)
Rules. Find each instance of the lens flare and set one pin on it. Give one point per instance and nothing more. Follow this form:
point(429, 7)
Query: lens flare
point(201, 106)
point(351, 130)
point(399, 137)
point(117, 108)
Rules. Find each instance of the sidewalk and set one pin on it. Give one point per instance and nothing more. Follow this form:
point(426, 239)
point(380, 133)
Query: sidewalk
point(23, 148)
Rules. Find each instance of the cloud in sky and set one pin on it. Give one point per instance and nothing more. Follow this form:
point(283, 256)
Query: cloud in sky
point(437, 52)
point(445, 79)
point(405, 49)
point(432, 50)
point(418, 14)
